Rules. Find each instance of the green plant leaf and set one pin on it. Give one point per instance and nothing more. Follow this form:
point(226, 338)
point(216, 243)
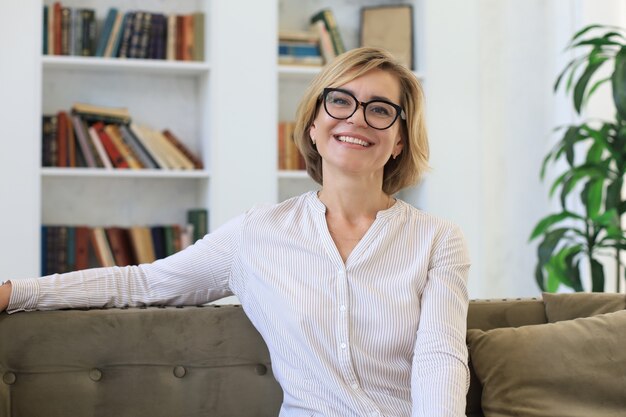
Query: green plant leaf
point(550, 220)
point(539, 278)
point(584, 30)
point(597, 276)
point(594, 154)
point(591, 196)
point(614, 194)
point(618, 82)
point(607, 219)
point(597, 42)
point(573, 64)
point(581, 85)
point(572, 269)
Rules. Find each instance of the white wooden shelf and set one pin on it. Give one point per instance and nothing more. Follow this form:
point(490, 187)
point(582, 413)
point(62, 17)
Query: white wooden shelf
point(293, 174)
point(149, 66)
point(122, 173)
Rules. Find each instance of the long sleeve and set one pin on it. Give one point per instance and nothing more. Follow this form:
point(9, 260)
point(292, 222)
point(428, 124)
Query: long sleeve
point(440, 376)
point(195, 275)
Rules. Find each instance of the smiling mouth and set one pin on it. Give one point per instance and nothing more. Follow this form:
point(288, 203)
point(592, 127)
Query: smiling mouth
point(355, 141)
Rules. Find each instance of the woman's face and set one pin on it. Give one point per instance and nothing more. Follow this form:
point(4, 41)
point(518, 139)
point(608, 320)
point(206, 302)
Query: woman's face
point(352, 146)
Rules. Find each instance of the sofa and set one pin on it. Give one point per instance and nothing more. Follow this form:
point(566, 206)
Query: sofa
point(210, 361)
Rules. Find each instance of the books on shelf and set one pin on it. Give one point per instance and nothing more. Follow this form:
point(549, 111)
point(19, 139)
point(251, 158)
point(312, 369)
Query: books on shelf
point(91, 136)
point(299, 48)
point(327, 17)
point(70, 248)
point(289, 157)
point(133, 34)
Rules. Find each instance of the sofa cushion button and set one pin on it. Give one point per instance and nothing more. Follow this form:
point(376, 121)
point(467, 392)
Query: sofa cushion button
point(9, 378)
point(179, 371)
point(95, 374)
point(260, 369)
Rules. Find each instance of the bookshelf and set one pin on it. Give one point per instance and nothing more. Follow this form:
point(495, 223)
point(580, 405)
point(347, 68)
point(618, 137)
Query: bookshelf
point(204, 103)
point(225, 108)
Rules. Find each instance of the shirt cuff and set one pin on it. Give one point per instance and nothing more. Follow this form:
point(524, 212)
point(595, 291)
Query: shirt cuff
point(24, 295)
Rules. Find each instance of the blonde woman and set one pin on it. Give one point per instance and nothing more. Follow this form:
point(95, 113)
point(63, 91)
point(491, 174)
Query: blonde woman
point(360, 297)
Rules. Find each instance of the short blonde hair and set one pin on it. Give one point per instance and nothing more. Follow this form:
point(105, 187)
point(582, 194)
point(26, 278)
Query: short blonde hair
point(409, 166)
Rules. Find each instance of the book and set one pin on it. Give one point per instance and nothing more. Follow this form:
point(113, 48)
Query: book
point(99, 147)
point(198, 36)
point(177, 158)
point(171, 41)
point(107, 30)
point(114, 154)
point(146, 141)
point(57, 25)
point(199, 219)
point(174, 140)
point(88, 32)
point(138, 149)
point(92, 112)
point(328, 17)
point(127, 154)
point(121, 245)
point(112, 42)
point(127, 32)
point(81, 247)
point(62, 139)
point(45, 31)
point(102, 248)
point(143, 247)
point(158, 241)
point(83, 142)
point(390, 28)
point(325, 42)
point(48, 140)
point(71, 142)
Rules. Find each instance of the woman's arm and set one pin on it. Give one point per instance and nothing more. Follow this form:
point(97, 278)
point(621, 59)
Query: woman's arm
point(440, 374)
point(195, 275)
point(5, 294)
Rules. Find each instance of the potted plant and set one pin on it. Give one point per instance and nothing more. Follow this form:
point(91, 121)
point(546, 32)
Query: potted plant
point(595, 153)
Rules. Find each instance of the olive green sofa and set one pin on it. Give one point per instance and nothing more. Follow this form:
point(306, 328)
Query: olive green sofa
point(200, 361)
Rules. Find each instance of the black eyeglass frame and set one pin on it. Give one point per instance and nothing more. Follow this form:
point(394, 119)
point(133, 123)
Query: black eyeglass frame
point(399, 109)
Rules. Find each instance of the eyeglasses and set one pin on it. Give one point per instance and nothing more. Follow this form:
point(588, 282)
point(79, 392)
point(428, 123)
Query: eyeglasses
point(379, 114)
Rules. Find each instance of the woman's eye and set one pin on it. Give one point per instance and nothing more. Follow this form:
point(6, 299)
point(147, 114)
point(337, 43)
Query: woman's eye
point(380, 110)
point(339, 101)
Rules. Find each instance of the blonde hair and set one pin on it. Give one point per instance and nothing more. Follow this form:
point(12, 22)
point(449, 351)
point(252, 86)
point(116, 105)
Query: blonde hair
point(409, 166)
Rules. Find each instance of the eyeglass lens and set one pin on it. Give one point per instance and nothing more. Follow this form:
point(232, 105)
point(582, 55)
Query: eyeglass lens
point(342, 105)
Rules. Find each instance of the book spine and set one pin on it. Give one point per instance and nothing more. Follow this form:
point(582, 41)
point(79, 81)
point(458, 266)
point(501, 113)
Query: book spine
point(45, 31)
point(198, 36)
point(135, 37)
point(144, 36)
point(124, 47)
point(62, 139)
point(113, 37)
point(48, 140)
point(170, 46)
point(114, 133)
point(112, 151)
point(95, 139)
point(107, 29)
point(145, 139)
point(142, 154)
point(83, 143)
point(199, 219)
point(175, 141)
point(328, 18)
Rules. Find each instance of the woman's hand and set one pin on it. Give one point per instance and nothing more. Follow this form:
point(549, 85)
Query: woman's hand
point(5, 293)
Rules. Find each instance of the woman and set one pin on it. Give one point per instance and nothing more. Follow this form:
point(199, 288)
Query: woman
point(360, 297)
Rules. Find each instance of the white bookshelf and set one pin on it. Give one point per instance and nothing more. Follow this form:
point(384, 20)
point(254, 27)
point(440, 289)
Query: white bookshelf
point(206, 104)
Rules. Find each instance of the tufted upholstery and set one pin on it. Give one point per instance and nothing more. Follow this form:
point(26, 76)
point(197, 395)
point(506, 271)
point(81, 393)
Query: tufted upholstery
point(188, 362)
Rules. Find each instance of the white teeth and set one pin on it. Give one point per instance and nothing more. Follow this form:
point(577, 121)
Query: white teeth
point(349, 139)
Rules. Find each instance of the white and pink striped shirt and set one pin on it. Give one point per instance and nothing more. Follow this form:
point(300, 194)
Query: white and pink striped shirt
point(382, 334)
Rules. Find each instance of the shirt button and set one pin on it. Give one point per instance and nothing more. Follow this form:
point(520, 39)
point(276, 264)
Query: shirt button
point(355, 386)
point(343, 346)
point(342, 307)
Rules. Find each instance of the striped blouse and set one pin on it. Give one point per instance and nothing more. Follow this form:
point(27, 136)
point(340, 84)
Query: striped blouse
point(382, 334)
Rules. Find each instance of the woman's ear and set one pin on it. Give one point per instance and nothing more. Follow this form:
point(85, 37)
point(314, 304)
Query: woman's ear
point(312, 130)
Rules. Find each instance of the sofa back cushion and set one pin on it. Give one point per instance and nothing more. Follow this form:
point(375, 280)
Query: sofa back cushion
point(571, 368)
point(561, 307)
point(149, 362)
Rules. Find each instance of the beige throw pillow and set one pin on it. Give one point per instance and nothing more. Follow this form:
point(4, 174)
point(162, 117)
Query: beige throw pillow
point(574, 368)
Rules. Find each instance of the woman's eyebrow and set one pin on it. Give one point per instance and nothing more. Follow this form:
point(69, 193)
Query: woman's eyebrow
point(371, 98)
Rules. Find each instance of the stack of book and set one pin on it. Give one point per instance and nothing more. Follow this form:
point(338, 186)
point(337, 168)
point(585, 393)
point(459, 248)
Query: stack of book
point(135, 34)
point(289, 157)
point(299, 48)
point(105, 137)
point(71, 248)
point(324, 24)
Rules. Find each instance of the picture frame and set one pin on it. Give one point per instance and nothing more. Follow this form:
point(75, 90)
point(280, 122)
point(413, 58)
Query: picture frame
point(389, 27)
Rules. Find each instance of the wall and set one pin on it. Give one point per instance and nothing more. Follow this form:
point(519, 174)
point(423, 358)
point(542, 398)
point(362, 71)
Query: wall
point(491, 112)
